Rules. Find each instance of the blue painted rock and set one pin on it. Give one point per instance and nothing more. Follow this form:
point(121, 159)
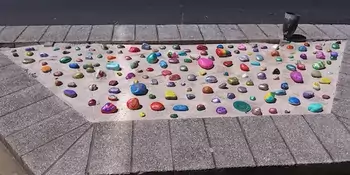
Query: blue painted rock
point(182, 53)
point(315, 107)
point(294, 101)
point(291, 67)
point(255, 63)
point(302, 49)
point(113, 66)
point(280, 92)
point(296, 77)
point(180, 108)
point(74, 65)
point(211, 79)
point(231, 96)
point(308, 94)
point(259, 58)
point(138, 89)
point(334, 55)
point(152, 58)
point(221, 110)
point(109, 108)
point(163, 64)
point(70, 93)
point(284, 86)
point(145, 46)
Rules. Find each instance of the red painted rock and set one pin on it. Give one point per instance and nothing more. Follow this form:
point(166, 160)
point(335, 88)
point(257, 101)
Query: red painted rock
point(228, 63)
point(149, 69)
point(111, 57)
point(134, 49)
point(92, 102)
point(203, 52)
point(174, 77)
point(44, 63)
point(112, 98)
point(244, 67)
point(301, 66)
point(58, 83)
point(166, 72)
point(133, 104)
point(202, 47)
point(109, 108)
point(275, 53)
point(157, 106)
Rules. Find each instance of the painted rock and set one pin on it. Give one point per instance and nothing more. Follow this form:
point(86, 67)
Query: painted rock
point(171, 84)
point(244, 67)
point(200, 107)
point(28, 60)
point(216, 100)
point(109, 108)
point(203, 52)
point(263, 68)
point(255, 63)
point(220, 46)
point(189, 89)
point(138, 89)
point(188, 60)
point(315, 107)
point(296, 77)
point(303, 56)
point(207, 90)
point(230, 95)
point(228, 63)
point(65, 59)
point(46, 69)
point(145, 46)
point(242, 106)
point(183, 68)
point(133, 104)
point(173, 61)
point(174, 77)
point(113, 66)
point(243, 58)
point(205, 63)
point(273, 111)
point(223, 52)
point(29, 53)
point(166, 72)
point(130, 76)
point(325, 80)
point(90, 70)
point(58, 74)
point(255, 50)
point(152, 58)
point(114, 90)
point(280, 92)
point(319, 65)
point(263, 47)
point(256, 111)
point(263, 87)
point(334, 55)
point(259, 58)
point(300, 66)
point(190, 96)
point(154, 82)
point(221, 110)
point(270, 97)
point(89, 65)
point(134, 64)
point(202, 72)
point(93, 87)
point(74, 65)
point(134, 49)
point(261, 76)
point(149, 69)
point(176, 47)
point(233, 81)
point(308, 94)
point(112, 98)
point(170, 95)
point(316, 74)
point(320, 55)
point(294, 101)
point(70, 93)
point(242, 89)
point(72, 85)
point(302, 49)
point(92, 102)
point(211, 79)
point(180, 108)
point(174, 116)
point(242, 47)
point(276, 71)
point(291, 67)
point(223, 86)
point(252, 98)
point(191, 77)
point(111, 57)
point(275, 53)
point(113, 83)
point(335, 46)
point(58, 82)
point(316, 86)
point(249, 83)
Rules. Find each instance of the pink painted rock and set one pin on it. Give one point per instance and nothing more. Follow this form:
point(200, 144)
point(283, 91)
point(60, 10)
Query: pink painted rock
point(174, 77)
point(242, 47)
point(301, 66)
point(296, 77)
point(202, 47)
point(166, 72)
point(205, 63)
point(320, 55)
point(134, 49)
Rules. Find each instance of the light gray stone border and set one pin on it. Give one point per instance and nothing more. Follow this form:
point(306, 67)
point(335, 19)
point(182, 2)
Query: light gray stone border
point(11, 36)
point(48, 137)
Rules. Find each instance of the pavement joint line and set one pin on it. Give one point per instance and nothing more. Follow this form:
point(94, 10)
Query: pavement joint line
point(171, 146)
point(337, 116)
point(246, 140)
point(132, 144)
point(91, 145)
point(209, 142)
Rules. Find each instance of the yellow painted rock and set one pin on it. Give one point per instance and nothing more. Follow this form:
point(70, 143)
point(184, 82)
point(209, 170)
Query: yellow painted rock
point(325, 80)
point(316, 86)
point(170, 95)
point(202, 72)
point(270, 97)
point(142, 114)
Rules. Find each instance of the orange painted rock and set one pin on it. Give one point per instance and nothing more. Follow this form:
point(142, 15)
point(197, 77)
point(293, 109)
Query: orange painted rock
point(244, 67)
point(290, 47)
point(46, 69)
point(111, 57)
point(133, 104)
point(207, 90)
point(157, 106)
point(275, 53)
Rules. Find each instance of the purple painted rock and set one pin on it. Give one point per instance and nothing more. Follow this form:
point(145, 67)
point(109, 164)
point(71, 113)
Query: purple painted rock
point(303, 56)
point(320, 55)
point(130, 76)
point(70, 93)
point(205, 63)
point(114, 90)
point(296, 77)
point(221, 110)
point(109, 108)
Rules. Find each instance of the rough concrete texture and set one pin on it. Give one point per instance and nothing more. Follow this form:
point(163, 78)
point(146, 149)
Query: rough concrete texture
point(80, 103)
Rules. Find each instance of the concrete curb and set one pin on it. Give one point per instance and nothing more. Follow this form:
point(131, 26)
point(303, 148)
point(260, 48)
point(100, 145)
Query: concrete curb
point(48, 137)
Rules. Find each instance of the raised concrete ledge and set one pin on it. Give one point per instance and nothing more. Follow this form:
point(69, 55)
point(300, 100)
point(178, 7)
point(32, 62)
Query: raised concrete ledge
point(14, 36)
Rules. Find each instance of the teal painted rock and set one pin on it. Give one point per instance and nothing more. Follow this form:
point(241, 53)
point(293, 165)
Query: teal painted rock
point(270, 97)
point(182, 53)
point(259, 58)
point(242, 106)
point(65, 59)
point(302, 49)
point(113, 66)
point(180, 108)
point(294, 101)
point(315, 107)
point(280, 92)
point(255, 63)
point(163, 64)
point(335, 46)
point(152, 58)
point(291, 67)
point(138, 89)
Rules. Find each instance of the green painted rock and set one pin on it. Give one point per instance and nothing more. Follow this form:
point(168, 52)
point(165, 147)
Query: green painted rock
point(315, 107)
point(65, 59)
point(335, 46)
point(242, 106)
point(187, 60)
point(319, 65)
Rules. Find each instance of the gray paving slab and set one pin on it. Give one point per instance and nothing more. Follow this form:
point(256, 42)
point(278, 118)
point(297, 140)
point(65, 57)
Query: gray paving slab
point(43, 132)
point(55, 33)
point(23, 98)
point(302, 142)
point(341, 109)
point(2, 27)
point(10, 71)
point(344, 68)
point(4, 61)
point(10, 33)
point(343, 28)
point(190, 33)
point(101, 33)
point(331, 31)
point(332, 134)
point(211, 32)
point(146, 33)
point(228, 142)
point(16, 83)
point(40, 159)
point(30, 115)
point(297, 31)
point(272, 31)
point(343, 80)
point(32, 34)
point(232, 32)
point(253, 32)
point(190, 146)
point(168, 33)
point(124, 33)
point(265, 141)
point(74, 161)
point(342, 93)
point(151, 146)
point(78, 33)
point(111, 148)
point(313, 32)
